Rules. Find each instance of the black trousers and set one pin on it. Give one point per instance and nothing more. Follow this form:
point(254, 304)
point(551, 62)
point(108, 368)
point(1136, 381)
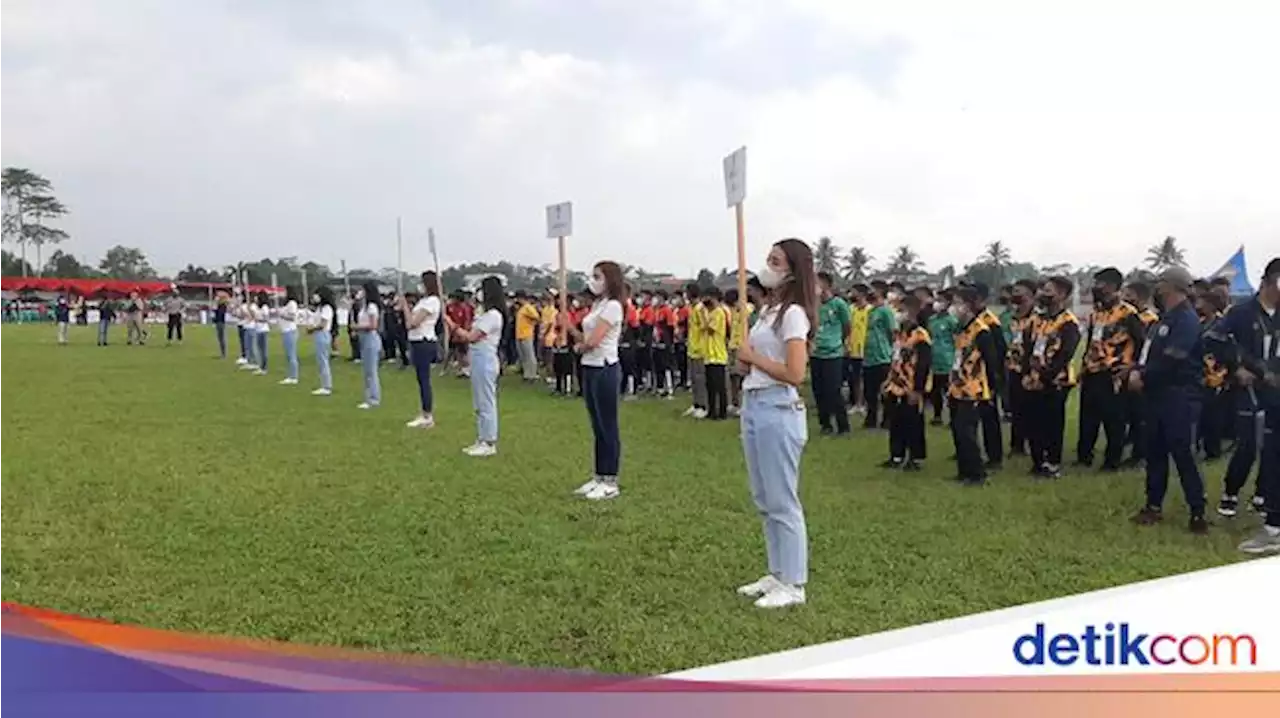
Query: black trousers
point(562, 364)
point(906, 429)
point(1250, 438)
point(937, 394)
point(644, 367)
point(1214, 415)
point(872, 378)
point(853, 377)
point(630, 381)
point(992, 433)
point(1046, 421)
point(717, 391)
point(964, 432)
point(681, 367)
point(354, 339)
point(174, 327)
point(1101, 407)
point(1135, 403)
point(827, 377)
point(661, 365)
point(1018, 443)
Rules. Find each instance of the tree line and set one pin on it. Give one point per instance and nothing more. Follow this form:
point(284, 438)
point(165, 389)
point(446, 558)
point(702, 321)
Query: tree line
point(30, 208)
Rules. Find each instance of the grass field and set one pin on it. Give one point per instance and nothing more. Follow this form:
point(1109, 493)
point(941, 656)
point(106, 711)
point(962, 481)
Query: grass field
point(159, 486)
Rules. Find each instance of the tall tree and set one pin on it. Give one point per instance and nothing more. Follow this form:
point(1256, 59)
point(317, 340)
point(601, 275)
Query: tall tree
point(706, 278)
point(122, 262)
point(192, 273)
point(857, 263)
point(998, 256)
point(1165, 255)
point(826, 256)
point(904, 262)
point(40, 209)
point(20, 186)
point(65, 265)
point(15, 266)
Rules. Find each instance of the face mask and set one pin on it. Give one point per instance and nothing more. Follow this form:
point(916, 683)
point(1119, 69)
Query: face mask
point(1044, 300)
point(596, 286)
point(1100, 296)
point(903, 317)
point(894, 296)
point(576, 304)
point(939, 306)
point(770, 277)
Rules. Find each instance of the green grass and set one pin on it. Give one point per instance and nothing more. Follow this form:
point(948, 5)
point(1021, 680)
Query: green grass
point(159, 486)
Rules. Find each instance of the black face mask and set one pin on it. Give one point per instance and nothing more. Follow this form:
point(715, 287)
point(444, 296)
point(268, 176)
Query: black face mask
point(1102, 296)
point(1044, 300)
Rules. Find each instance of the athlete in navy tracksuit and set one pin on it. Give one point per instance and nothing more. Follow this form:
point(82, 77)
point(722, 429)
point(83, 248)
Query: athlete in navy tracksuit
point(1247, 340)
point(1170, 370)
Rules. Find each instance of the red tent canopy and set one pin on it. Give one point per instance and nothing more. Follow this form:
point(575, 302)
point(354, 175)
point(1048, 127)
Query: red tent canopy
point(114, 287)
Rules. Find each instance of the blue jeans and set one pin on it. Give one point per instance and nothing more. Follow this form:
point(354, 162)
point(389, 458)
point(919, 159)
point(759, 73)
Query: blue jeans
point(484, 393)
point(774, 432)
point(290, 340)
point(103, 327)
point(221, 330)
point(423, 352)
point(324, 342)
point(370, 357)
point(600, 387)
point(245, 350)
point(260, 339)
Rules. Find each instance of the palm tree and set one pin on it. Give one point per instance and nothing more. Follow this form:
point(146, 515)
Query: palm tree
point(20, 186)
point(1165, 255)
point(856, 264)
point(826, 256)
point(905, 262)
point(997, 255)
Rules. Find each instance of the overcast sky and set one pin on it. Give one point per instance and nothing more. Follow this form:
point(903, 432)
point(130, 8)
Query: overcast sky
point(212, 131)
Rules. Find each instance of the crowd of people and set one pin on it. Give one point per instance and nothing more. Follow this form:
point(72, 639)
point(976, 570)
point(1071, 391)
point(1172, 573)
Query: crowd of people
point(1165, 371)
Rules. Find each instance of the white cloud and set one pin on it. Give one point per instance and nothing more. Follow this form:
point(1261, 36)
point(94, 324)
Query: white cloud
point(1081, 134)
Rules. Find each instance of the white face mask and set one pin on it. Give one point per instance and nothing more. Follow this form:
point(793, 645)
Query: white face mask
point(596, 285)
point(576, 304)
point(939, 306)
point(902, 318)
point(894, 296)
point(770, 277)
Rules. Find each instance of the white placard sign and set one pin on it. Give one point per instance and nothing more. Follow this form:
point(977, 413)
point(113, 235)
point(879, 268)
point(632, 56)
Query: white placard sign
point(735, 177)
point(560, 220)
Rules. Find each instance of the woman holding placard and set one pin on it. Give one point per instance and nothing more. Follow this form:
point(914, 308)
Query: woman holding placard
point(774, 425)
point(483, 338)
point(597, 344)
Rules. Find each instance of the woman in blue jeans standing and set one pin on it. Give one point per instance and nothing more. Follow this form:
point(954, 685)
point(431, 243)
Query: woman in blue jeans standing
point(321, 329)
point(483, 338)
point(420, 317)
point(287, 320)
point(774, 428)
point(597, 344)
point(367, 327)
point(261, 327)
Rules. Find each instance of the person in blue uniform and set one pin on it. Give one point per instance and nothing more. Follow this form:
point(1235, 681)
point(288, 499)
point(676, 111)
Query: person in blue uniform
point(1247, 340)
point(1170, 372)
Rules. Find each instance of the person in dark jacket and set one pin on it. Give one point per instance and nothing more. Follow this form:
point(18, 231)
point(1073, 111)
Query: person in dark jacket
point(1170, 372)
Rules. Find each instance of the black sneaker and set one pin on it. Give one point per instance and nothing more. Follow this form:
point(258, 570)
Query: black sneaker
point(1229, 506)
point(1198, 525)
point(1259, 504)
point(973, 482)
point(912, 466)
point(1051, 471)
point(1037, 471)
point(891, 464)
point(1109, 467)
point(1148, 516)
point(994, 466)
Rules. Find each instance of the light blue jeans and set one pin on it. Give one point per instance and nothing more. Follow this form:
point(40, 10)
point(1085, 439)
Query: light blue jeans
point(484, 393)
point(260, 339)
point(324, 342)
point(370, 358)
point(774, 432)
point(290, 340)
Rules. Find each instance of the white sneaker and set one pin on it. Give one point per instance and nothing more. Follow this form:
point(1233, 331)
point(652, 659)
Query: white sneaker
point(364, 405)
point(481, 449)
point(735, 411)
point(259, 372)
point(321, 392)
point(249, 367)
point(241, 360)
point(287, 381)
point(587, 487)
point(690, 411)
point(602, 492)
point(700, 414)
point(421, 423)
point(782, 596)
point(759, 588)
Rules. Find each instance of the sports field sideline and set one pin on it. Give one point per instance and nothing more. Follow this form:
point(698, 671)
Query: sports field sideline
point(159, 486)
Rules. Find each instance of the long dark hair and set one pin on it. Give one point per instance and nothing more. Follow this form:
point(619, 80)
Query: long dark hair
point(614, 286)
point(262, 299)
point(371, 295)
point(431, 283)
point(495, 297)
point(800, 286)
point(326, 296)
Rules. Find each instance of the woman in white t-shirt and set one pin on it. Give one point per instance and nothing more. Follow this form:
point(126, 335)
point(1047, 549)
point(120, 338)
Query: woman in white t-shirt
point(321, 329)
point(261, 327)
point(774, 428)
point(287, 319)
point(597, 344)
point(420, 317)
point(483, 339)
point(242, 309)
point(367, 326)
